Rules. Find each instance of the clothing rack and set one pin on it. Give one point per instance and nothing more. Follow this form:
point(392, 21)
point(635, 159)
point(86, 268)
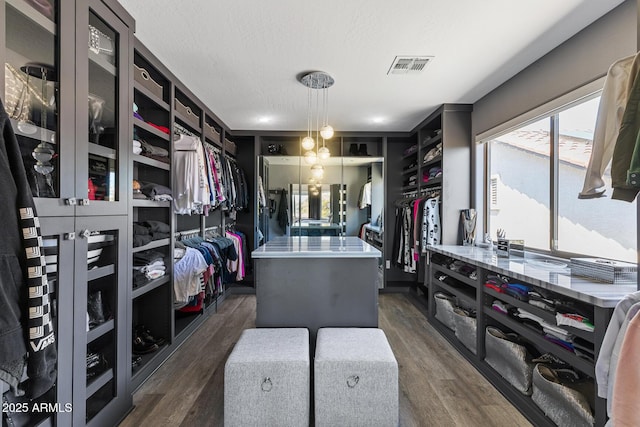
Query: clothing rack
point(410, 196)
point(187, 234)
point(212, 231)
point(212, 147)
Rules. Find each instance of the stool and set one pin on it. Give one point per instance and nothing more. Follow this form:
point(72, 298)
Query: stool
point(355, 378)
point(267, 379)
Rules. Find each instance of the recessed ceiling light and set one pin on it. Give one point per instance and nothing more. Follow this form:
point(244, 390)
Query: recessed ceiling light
point(378, 120)
point(265, 119)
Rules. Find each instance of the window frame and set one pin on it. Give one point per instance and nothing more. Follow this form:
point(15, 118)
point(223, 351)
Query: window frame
point(554, 167)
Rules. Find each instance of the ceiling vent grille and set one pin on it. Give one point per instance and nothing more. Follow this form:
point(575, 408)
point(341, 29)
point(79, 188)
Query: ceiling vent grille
point(409, 64)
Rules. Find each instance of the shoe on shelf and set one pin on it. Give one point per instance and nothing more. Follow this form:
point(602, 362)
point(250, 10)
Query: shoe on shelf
point(353, 150)
point(140, 346)
point(362, 150)
point(146, 336)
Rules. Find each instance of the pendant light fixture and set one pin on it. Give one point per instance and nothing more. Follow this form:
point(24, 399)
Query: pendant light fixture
point(321, 82)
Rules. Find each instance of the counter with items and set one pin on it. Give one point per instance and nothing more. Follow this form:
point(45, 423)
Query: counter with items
point(527, 324)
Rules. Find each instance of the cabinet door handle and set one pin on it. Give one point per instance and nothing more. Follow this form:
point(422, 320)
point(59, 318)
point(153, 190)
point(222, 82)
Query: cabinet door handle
point(71, 201)
point(85, 234)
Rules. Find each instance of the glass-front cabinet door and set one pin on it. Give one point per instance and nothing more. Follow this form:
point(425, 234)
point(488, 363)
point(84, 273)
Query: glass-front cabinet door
point(103, 103)
point(100, 307)
point(55, 405)
point(38, 97)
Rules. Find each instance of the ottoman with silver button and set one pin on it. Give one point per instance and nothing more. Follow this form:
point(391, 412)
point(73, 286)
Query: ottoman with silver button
point(355, 378)
point(267, 379)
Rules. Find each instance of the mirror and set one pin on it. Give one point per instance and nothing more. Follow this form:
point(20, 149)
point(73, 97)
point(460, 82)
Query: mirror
point(315, 210)
point(350, 196)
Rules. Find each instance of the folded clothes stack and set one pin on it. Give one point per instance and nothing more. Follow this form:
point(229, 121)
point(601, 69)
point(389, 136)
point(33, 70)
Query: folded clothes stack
point(151, 191)
point(147, 231)
point(464, 269)
point(154, 152)
point(552, 333)
point(147, 266)
point(432, 173)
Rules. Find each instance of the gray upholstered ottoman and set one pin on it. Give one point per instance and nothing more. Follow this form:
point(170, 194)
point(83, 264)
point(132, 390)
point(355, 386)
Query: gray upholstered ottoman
point(267, 379)
point(355, 378)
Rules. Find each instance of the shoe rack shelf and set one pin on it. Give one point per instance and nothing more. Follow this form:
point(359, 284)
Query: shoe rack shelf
point(471, 293)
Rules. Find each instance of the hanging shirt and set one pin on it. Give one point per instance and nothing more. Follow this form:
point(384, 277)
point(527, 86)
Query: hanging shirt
point(187, 272)
point(617, 87)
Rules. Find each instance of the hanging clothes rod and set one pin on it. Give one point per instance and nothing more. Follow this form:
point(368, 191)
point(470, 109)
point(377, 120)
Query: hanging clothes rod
point(183, 130)
point(184, 233)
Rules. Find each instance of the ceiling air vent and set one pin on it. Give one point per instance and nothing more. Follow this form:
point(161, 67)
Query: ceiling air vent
point(409, 64)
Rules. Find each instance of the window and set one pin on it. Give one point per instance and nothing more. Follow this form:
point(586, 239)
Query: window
point(598, 227)
point(311, 203)
point(526, 185)
point(520, 165)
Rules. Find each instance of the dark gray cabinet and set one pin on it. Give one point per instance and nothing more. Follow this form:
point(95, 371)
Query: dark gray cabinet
point(67, 89)
point(100, 329)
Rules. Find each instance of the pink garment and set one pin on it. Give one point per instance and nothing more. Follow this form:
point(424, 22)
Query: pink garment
point(626, 405)
point(236, 266)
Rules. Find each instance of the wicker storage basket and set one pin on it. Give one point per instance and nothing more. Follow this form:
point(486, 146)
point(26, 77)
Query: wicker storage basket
point(466, 329)
point(444, 309)
point(562, 404)
point(509, 359)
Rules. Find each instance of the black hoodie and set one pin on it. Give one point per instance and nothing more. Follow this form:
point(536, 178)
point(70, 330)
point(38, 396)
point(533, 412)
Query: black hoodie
point(26, 331)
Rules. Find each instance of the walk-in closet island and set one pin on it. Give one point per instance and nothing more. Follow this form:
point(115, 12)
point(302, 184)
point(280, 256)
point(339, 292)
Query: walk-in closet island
point(316, 282)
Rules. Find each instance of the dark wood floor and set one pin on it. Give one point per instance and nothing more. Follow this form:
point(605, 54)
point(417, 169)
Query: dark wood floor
point(437, 386)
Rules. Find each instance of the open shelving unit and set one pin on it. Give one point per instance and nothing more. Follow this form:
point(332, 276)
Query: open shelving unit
point(472, 294)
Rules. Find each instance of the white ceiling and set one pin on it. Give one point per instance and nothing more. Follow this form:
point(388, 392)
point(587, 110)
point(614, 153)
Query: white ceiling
point(242, 57)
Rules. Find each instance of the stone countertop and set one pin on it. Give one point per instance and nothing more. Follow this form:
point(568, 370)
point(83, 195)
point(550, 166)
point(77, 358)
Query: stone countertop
point(555, 278)
point(316, 247)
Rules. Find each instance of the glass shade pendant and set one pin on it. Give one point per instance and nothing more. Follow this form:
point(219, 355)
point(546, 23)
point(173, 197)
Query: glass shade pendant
point(308, 143)
point(326, 132)
point(323, 153)
point(310, 157)
point(317, 171)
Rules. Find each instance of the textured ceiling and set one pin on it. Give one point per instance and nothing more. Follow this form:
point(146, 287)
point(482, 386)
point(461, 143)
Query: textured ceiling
point(242, 57)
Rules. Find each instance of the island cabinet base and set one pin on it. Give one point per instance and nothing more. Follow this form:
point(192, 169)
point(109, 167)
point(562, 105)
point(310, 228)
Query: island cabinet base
point(316, 292)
